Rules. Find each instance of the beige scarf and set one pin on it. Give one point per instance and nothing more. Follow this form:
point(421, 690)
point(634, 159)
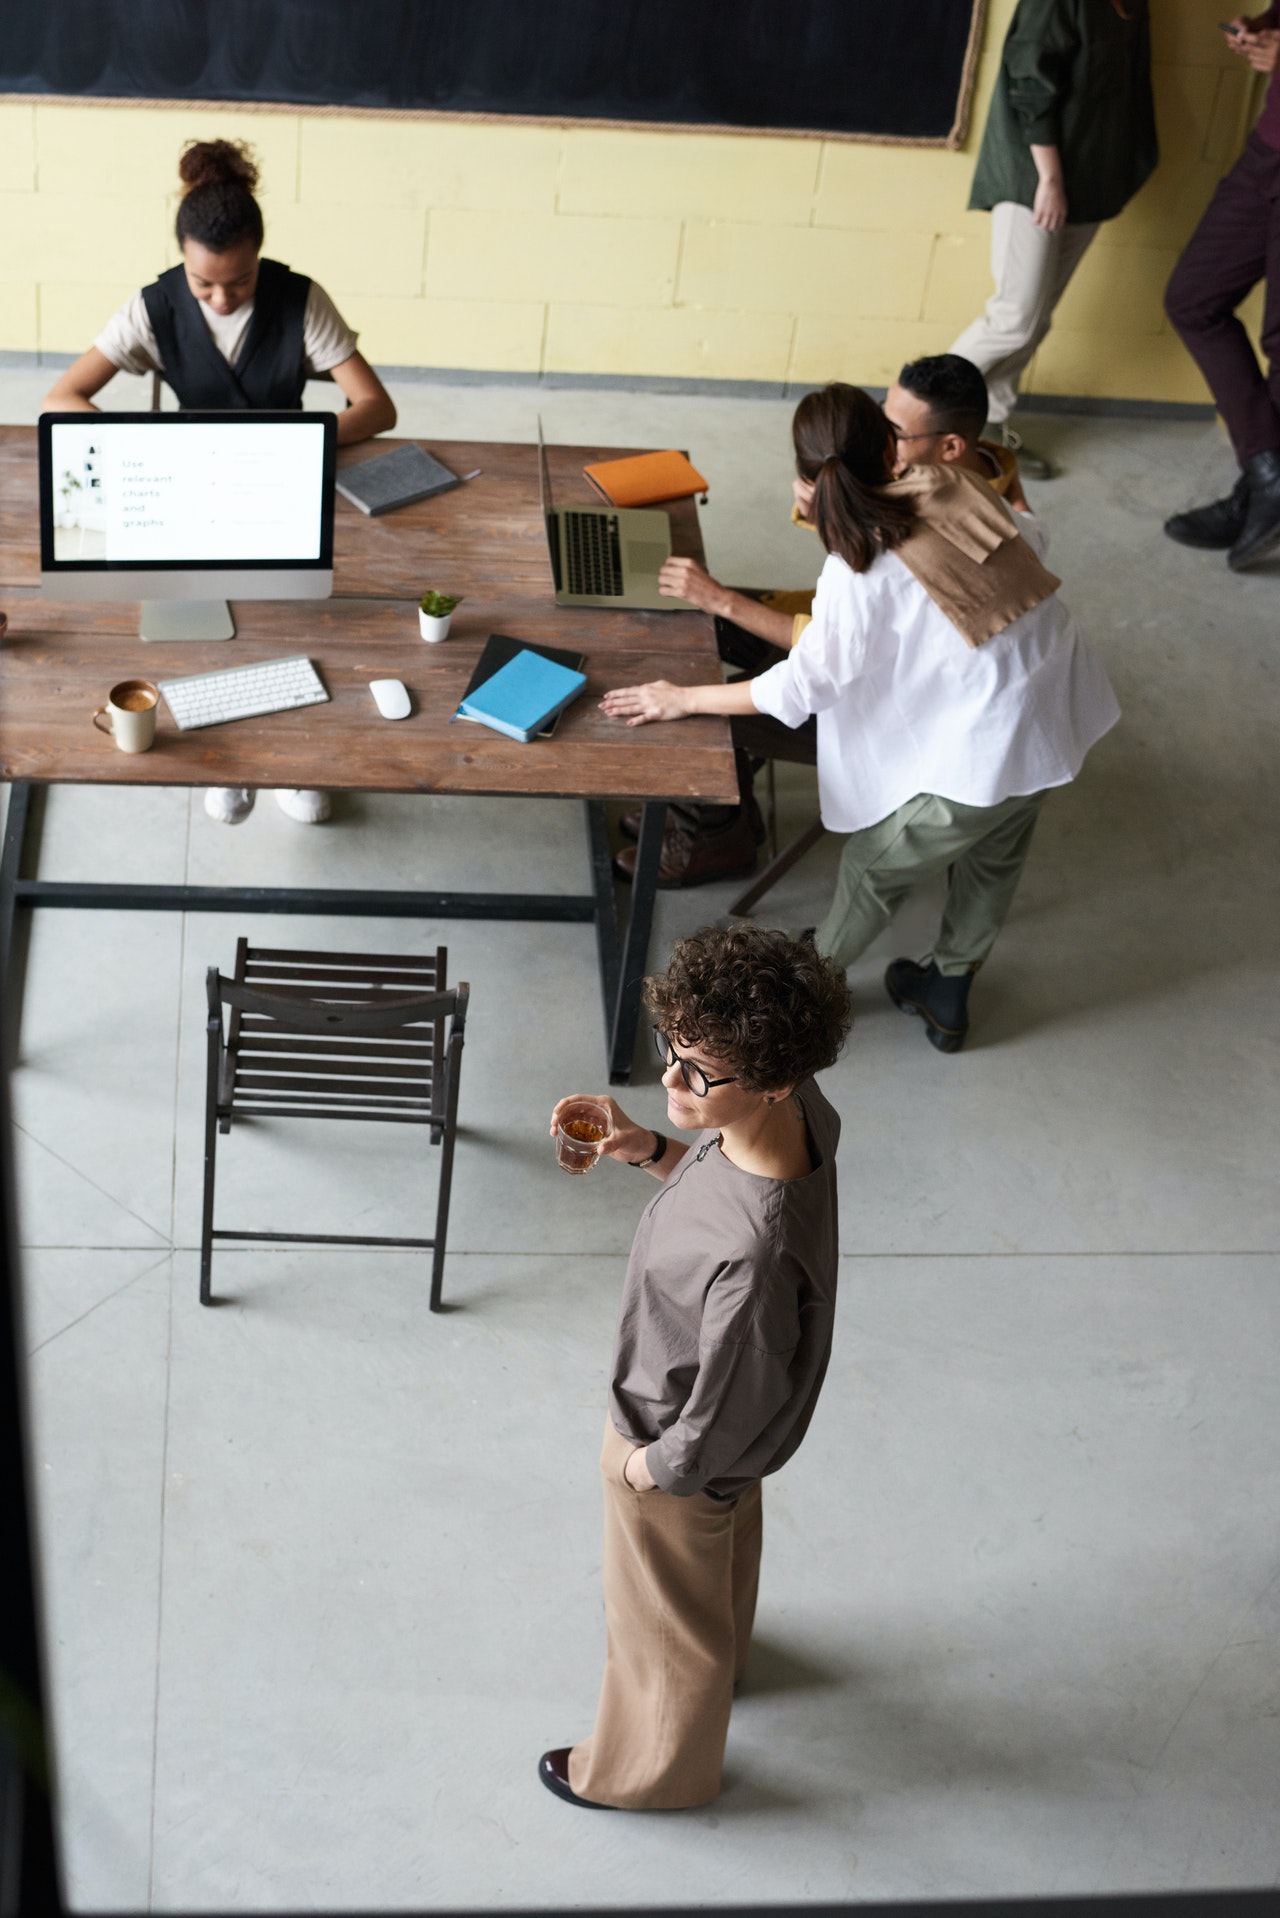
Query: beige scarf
point(967, 553)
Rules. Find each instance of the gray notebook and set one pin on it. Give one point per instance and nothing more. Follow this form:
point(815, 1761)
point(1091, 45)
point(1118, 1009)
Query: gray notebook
point(397, 478)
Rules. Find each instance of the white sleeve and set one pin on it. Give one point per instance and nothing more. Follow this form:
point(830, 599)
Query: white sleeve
point(128, 341)
point(327, 340)
point(1035, 532)
point(826, 658)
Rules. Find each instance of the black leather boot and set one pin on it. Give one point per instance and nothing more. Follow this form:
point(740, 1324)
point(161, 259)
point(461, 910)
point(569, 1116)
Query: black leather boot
point(1261, 530)
point(940, 999)
point(1216, 526)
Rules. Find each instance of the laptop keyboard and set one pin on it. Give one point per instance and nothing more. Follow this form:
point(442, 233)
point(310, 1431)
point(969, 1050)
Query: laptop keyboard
point(593, 553)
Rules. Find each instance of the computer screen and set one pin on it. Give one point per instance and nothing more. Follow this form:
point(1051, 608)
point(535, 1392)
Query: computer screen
point(194, 507)
point(179, 491)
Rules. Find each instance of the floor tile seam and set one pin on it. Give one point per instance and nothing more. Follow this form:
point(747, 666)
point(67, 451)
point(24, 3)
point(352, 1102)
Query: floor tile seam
point(155, 1696)
point(1150, 1771)
point(563, 1255)
point(26, 1133)
point(98, 1303)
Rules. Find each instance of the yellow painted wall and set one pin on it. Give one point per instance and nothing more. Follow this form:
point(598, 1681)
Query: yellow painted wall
point(570, 249)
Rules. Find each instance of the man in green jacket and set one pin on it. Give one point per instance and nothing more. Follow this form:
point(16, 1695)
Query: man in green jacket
point(1070, 138)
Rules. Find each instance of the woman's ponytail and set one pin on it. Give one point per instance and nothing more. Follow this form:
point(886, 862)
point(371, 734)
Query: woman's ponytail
point(844, 445)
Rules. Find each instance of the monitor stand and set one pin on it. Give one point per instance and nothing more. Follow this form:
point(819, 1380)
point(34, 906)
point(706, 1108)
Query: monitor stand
point(170, 619)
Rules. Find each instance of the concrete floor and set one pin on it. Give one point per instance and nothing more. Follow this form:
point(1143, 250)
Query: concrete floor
point(322, 1570)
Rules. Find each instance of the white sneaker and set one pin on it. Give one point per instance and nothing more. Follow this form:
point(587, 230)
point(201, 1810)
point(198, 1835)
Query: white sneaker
point(308, 808)
point(229, 804)
point(1034, 465)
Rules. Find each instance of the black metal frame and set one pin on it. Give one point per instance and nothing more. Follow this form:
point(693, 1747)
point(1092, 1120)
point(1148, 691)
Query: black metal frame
point(298, 1015)
point(621, 950)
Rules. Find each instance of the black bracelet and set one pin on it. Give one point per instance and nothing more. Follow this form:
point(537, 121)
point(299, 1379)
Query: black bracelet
point(659, 1149)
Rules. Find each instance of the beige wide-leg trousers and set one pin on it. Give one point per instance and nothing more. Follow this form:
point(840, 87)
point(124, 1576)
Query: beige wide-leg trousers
point(680, 1578)
point(1031, 269)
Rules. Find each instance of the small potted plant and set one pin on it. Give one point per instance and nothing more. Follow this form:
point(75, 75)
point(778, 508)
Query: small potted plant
point(435, 610)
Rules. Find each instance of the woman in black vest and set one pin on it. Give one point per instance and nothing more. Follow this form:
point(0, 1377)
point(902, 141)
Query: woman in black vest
point(231, 331)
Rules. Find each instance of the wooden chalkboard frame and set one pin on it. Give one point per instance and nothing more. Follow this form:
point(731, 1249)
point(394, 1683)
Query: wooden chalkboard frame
point(952, 141)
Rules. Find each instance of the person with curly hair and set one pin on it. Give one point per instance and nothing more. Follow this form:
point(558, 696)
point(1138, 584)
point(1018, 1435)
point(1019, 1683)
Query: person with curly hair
point(723, 1340)
point(231, 332)
point(953, 689)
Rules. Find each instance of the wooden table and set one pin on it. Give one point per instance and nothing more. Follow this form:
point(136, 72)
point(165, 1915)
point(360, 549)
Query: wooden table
point(485, 541)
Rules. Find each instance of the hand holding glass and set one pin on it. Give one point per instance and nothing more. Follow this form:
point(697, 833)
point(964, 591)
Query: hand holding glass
point(582, 1126)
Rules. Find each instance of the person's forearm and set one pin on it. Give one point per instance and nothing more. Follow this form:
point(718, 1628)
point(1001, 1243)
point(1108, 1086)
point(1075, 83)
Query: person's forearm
point(722, 699)
point(363, 419)
point(669, 1161)
point(763, 621)
point(56, 402)
point(1048, 165)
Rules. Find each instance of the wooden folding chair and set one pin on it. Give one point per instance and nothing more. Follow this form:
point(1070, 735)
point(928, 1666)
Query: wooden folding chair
point(333, 1035)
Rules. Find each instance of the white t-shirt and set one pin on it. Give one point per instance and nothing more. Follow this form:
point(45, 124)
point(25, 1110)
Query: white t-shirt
point(128, 341)
point(905, 706)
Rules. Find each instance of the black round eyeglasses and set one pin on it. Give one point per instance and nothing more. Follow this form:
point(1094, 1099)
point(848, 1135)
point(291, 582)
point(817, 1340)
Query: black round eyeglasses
point(693, 1075)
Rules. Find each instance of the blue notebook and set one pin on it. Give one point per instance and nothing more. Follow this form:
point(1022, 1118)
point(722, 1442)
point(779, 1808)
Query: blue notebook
point(523, 695)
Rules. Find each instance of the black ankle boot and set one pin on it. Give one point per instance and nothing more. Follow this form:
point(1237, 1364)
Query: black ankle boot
point(940, 999)
point(1261, 529)
point(1216, 526)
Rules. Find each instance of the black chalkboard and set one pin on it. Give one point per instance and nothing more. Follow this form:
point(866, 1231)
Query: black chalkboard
point(875, 69)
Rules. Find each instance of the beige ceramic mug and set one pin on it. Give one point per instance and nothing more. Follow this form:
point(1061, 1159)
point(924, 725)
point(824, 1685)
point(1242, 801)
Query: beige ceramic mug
point(130, 713)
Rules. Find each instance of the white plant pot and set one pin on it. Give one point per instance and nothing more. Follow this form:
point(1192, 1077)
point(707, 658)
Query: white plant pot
point(433, 629)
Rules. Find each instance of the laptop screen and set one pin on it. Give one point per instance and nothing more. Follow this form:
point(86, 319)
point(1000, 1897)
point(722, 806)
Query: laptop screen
point(548, 510)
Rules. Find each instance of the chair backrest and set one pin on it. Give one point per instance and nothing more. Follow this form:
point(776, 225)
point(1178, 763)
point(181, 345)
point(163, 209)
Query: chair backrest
point(338, 1035)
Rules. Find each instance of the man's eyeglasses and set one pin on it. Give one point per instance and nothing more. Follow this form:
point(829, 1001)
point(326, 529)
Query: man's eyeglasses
point(693, 1075)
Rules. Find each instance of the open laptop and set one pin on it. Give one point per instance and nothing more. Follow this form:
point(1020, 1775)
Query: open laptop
point(605, 555)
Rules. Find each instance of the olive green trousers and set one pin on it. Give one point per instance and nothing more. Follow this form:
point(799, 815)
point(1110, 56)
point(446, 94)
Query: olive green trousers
point(983, 847)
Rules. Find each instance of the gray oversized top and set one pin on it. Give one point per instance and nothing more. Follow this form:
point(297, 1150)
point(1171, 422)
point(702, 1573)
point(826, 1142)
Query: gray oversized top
point(727, 1309)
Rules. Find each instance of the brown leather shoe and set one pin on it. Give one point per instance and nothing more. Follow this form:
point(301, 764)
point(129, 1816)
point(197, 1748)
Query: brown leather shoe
point(695, 856)
point(629, 824)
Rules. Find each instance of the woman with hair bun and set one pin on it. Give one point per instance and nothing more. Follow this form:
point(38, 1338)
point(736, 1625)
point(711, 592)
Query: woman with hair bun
point(231, 331)
point(952, 688)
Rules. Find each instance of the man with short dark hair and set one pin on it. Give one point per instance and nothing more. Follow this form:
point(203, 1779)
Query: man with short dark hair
point(937, 408)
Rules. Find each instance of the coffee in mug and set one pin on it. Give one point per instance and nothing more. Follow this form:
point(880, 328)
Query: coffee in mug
point(130, 713)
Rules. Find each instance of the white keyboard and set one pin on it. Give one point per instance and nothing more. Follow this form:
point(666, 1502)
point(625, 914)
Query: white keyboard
point(240, 692)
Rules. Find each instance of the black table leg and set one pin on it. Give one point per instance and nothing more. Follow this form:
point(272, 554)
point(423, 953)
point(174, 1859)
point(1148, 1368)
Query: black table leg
point(621, 955)
point(635, 950)
point(15, 834)
point(606, 915)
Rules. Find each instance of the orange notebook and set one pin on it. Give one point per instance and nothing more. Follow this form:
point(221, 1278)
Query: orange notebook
point(646, 478)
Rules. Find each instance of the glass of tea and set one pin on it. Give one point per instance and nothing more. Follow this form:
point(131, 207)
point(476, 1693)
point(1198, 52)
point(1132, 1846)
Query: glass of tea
point(582, 1129)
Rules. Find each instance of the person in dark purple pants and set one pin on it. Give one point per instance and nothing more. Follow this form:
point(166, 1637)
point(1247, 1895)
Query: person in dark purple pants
point(1236, 244)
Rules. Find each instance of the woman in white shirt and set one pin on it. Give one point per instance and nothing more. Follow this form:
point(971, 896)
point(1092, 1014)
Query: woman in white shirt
point(231, 331)
point(952, 688)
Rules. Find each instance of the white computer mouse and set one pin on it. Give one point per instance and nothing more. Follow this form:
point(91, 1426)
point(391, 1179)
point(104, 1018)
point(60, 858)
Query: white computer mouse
point(391, 697)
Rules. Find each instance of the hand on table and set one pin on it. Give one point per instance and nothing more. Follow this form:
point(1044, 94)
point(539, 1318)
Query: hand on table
point(638, 705)
point(626, 1140)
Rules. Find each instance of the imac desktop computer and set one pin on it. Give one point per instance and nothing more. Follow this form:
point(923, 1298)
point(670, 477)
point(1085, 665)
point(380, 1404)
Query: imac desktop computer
point(184, 511)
